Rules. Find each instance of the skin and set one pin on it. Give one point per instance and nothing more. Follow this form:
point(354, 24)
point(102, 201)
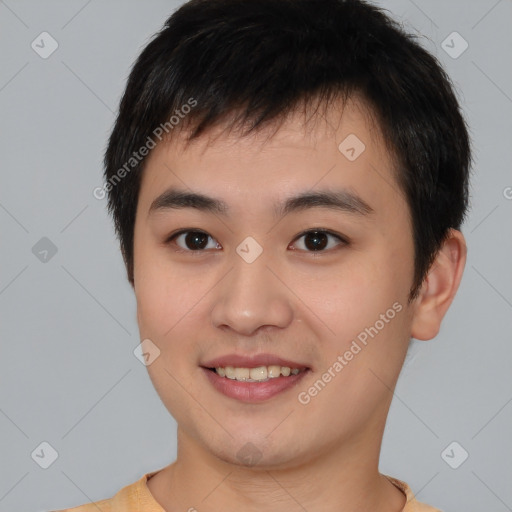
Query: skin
point(291, 301)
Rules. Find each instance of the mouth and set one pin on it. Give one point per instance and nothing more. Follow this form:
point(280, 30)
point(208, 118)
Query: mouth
point(256, 374)
point(253, 379)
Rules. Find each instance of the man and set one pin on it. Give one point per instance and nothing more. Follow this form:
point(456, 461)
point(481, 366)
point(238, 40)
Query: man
point(288, 180)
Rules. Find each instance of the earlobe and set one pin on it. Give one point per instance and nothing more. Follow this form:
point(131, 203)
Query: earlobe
point(439, 287)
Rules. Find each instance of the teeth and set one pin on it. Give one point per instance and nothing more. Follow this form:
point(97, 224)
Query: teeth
point(273, 371)
point(259, 374)
point(242, 373)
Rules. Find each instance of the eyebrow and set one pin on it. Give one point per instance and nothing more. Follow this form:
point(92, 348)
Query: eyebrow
point(339, 200)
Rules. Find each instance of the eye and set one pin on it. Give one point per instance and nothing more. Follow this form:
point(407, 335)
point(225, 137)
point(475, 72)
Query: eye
point(316, 240)
point(193, 241)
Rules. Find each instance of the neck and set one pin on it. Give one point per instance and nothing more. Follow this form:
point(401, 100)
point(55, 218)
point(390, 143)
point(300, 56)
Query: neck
point(341, 479)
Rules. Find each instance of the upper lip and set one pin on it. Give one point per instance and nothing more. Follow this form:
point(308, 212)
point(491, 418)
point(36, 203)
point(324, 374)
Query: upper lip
point(252, 361)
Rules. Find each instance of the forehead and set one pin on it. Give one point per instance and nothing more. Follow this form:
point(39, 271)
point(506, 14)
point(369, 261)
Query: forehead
point(303, 128)
point(342, 148)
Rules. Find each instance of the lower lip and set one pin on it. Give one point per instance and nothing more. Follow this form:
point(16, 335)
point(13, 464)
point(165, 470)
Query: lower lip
point(253, 391)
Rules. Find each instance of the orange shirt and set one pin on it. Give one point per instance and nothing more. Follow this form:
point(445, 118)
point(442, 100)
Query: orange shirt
point(137, 498)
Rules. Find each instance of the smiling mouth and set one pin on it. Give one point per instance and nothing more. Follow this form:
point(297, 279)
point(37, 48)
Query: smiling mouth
point(257, 374)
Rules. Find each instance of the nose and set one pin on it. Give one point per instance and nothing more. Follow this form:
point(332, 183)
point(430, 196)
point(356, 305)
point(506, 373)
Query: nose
point(252, 297)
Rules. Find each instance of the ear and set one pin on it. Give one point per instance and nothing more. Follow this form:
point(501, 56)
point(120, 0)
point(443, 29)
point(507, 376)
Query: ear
point(439, 287)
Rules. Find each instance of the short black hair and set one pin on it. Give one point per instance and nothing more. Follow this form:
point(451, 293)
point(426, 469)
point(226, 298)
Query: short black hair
point(247, 64)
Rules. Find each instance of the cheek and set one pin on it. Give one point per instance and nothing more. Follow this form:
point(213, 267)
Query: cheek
point(350, 297)
point(169, 305)
point(159, 293)
point(162, 303)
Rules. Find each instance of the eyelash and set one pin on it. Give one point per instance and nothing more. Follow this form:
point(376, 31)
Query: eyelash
point(344, 241)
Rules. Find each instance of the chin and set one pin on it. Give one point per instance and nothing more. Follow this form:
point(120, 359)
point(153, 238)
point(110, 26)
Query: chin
point(257, 454)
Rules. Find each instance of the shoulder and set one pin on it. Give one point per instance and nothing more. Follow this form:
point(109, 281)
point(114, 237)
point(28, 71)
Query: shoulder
point(128, 499)
point(412, 504)
point(103, 505)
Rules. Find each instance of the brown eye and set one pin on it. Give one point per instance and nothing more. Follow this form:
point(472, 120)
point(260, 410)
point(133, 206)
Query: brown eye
point(192, 240)
point(318, 240)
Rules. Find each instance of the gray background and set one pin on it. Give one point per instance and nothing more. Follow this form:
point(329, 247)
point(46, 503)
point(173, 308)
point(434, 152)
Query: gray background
point(68, 326)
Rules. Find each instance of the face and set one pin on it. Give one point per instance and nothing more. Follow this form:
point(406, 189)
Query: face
point(320, 285)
